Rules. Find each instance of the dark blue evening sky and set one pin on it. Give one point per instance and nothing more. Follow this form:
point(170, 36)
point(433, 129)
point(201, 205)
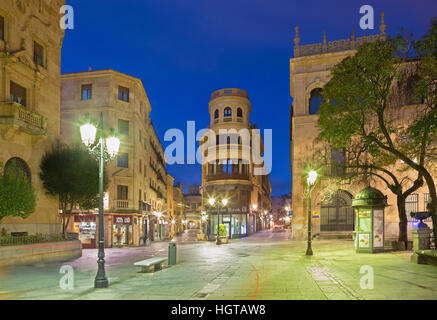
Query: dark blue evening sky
point(184, 50)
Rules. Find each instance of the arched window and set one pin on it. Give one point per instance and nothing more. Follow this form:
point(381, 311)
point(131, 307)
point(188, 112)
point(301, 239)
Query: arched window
point(315, 100)
point(239, 112)
point(216, 114)
point(228, 112)
point(21, 165)
point(410, 91)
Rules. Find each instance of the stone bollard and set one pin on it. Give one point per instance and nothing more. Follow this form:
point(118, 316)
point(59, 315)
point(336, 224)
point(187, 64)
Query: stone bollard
point(171, 253)
point(421, 241)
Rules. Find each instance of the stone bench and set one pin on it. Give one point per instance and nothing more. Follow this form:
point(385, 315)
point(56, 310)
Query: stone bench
point(155, 262)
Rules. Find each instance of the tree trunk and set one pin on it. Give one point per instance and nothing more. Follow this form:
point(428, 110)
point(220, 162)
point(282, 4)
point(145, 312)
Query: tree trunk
point(64, 208)
point(403, 220)
point(68, 220)
point(432, 193)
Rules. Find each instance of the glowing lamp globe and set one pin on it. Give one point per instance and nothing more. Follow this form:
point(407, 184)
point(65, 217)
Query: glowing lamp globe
point(225, 202)
point(112, 145)
point(254, 206)
point(211, 201)
point(312, 176)
point(203, 218)
point(88, 134)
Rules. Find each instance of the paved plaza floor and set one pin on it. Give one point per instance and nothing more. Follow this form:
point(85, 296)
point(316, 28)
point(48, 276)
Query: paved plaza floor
point(263, 266)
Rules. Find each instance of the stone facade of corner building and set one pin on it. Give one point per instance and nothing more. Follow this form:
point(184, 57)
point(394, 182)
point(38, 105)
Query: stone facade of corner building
point(179, 208)
point(137, 177)
point(332, 214)
point(229, 168)
point(171, 227)
point(30, 57)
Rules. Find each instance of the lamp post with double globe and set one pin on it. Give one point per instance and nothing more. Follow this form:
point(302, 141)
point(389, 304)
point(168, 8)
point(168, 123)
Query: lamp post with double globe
point(311, 180)
point(111, 145)
point(224, 202)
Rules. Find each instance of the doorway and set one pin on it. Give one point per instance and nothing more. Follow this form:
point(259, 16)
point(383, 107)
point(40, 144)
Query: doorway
point(337, 213)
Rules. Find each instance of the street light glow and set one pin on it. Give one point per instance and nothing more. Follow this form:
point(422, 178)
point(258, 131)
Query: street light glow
point(211, 201)
point(312, 176)
point(225, 202)
point(112, 145)
point(88, 134)
point(204, 217)
point(254, 206)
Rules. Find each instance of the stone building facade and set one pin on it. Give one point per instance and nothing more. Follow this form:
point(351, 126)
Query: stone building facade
point(30, 63)
point(137, 188)
point(179, 208)
point(332, 215)
point(193, 207)
point(228, 168)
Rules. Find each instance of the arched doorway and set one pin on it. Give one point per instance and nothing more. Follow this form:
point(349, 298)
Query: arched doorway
point(336, 212)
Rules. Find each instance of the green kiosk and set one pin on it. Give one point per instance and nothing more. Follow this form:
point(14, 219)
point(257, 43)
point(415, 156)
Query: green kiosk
point(369, 207)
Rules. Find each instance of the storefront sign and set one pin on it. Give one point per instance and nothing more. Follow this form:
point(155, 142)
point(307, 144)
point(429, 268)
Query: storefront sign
point(316, 214)
point(122, 220)
point(84, 218)
point(228, 210)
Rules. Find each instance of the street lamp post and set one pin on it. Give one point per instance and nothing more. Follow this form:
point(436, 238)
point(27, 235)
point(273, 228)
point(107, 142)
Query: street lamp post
point(88, 135)
point(224, 202)
point(312, 176)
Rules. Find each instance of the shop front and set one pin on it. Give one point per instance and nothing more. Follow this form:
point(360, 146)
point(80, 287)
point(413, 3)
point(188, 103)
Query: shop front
point(85, 225)
point(126, 230)
point(161, 229)
point(234, 220)
point(148, 222)
point(122, 231)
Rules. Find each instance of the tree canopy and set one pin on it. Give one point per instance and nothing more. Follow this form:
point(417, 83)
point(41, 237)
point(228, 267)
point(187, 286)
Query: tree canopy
point(17, 195)
point(72, 173)
point(383, 99)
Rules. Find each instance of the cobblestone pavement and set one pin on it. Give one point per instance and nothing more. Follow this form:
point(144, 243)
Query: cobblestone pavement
point(263, 266)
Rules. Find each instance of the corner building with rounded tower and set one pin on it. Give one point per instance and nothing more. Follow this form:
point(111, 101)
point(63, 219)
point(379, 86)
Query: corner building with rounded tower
point(228, 167)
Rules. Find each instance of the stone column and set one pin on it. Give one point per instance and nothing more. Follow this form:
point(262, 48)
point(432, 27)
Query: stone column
point(421, 241)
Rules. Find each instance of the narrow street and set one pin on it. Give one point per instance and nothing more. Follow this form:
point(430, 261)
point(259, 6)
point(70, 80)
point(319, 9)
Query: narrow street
point(266, 265)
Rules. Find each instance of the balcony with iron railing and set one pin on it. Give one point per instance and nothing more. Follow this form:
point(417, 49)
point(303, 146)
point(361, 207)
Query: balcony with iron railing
point(27, 120)
point(227, 176)
point(153, 187)
point(160, 177)
point(144, 206)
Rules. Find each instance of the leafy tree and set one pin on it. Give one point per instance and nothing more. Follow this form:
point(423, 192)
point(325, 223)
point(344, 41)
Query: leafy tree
point(360, 168)
point(362, 100)
point(17, 195)
point(72, 173)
